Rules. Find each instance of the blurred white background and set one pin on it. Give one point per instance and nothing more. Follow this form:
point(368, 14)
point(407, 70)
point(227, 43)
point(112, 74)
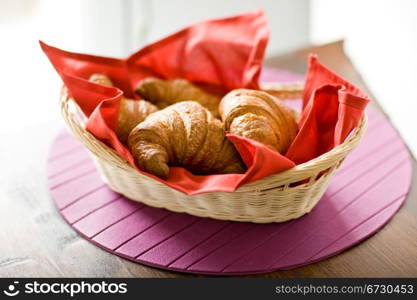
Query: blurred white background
point(381, 40)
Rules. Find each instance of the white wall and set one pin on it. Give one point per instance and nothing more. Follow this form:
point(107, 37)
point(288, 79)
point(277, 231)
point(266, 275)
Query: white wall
point(117, 28)
point(381, 40)
point(288, 19)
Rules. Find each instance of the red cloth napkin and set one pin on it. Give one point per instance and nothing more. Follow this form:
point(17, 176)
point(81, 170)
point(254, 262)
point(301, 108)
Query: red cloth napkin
point(222, 54)
point(332, 107)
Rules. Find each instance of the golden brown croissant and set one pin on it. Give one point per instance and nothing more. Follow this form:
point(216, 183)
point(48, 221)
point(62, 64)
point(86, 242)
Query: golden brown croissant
point(100, 79)
point(259, 116)
point(131, 111)
point(183, 134)
point(166, 92)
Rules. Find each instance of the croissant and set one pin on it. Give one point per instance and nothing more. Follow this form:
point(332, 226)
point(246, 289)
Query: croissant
point(100, 79)
point(166, 92)
point(131, 112)
point(259, 116)
point(183, 134)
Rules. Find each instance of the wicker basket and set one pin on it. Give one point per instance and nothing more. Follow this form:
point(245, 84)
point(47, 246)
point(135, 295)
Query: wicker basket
point(276, 198)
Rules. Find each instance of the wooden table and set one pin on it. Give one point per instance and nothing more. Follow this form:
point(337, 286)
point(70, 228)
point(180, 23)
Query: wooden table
point(36, 241)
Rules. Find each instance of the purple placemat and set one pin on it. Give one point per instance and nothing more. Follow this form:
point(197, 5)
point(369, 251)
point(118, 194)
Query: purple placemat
point(366, 192)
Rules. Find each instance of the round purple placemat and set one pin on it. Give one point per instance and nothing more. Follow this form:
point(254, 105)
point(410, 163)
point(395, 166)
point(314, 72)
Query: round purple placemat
point(366, 192)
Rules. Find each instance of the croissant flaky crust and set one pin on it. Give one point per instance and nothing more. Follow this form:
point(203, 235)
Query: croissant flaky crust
point(166, 92)
point(183, 134)
point(259, 116)
point(131, 111)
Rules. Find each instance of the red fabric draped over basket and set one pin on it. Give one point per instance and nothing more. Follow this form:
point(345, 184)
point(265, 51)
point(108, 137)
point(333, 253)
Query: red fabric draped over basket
point(221, 54)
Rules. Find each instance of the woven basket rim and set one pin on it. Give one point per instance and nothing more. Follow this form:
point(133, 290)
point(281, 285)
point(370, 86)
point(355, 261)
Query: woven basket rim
point(284, 178)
